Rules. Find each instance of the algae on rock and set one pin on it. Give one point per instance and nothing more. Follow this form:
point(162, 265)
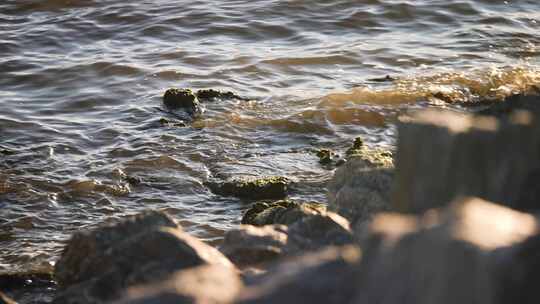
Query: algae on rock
point(274, 187)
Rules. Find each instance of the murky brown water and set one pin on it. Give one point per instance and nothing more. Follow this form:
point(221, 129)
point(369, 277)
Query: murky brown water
point(81, 85)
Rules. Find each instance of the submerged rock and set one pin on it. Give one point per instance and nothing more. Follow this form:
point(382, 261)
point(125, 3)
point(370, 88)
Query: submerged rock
point(172, 123)
point(456, 255)
point(97, 265)
point(322, 277)
point(209, 94)
point(274, 187)
point(361, 187)
point(443, 155)
point(202, 284)
point(182, 99)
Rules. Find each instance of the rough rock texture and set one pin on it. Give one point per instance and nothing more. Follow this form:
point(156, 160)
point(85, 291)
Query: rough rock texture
point(361, 187)
point(182, 99)
point(202, 284)
point(458, 255)
point(283, 212)
point(444, 155)
point(287, 228)
point(274, 187)
point(97, 265)
point(250, 245)
point(210, 94)
point(322, 277)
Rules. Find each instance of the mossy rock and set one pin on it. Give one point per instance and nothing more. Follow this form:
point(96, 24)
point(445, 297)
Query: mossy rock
point(357, 145)
point(284, 212)
point(274, 187)
point(210, 94)
point(182, 99)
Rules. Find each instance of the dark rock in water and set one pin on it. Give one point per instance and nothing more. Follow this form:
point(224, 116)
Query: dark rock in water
point(325, 156)
point(453, 255)
point(172, 123)
point(356, 148)
point(202, 284)
point(209, 94)
point(283, 212)
point(251, 245)
point(443, 155)
point(182, 99)
point(529, 101)
point(274, 187)
point(97, 265)
point(4, 299)
point(35, 286)
point(386, 78)
point(323, 277)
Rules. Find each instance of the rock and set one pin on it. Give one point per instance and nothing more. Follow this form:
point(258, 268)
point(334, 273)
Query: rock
point(182, 99)
point(356, 148)
point(326, 156)
point(209, 94)
point(202, 284)
point(250, 245)
point(524, 101)
point(443, 155)
point(288, 228)
point(96, 266)
point(444, 256)
point(322, 277)
point(4, 299)
point(361, 187)
point(274, 187)
point(172, 123)
point(283, 212)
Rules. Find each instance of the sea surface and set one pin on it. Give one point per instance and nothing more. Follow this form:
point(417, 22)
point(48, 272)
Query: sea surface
point(81, 86)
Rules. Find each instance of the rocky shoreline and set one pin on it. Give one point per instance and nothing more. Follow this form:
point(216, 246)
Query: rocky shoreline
point(450, 218)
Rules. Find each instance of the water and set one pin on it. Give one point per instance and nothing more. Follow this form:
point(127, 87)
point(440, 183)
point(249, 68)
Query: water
point(81, 84)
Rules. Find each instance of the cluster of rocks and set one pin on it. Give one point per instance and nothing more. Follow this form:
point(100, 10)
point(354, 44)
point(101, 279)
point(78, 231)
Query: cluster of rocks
point(452, 219)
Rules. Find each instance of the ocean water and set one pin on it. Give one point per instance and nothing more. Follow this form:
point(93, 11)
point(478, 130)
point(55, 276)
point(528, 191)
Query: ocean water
point(81, 83)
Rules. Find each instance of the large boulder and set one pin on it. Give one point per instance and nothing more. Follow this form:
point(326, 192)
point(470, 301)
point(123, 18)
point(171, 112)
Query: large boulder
point(443, 155)
point(97, 265)
point(362, 186)
point(460, 254)
point(202, 284)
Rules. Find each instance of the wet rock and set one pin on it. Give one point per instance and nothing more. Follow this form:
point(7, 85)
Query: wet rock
point(210, 94)
point(323, 277)
point(386, 78)
point(251, 245)
point(4, 299)
point(97, 265)
point(529, 101)
point(443, 155)
point(274, 187)
point(283, 212)
point(361, 187)
point(172, 123)
point(284, 228)
point(447, 256)
point(182, 99)
point(202, 284)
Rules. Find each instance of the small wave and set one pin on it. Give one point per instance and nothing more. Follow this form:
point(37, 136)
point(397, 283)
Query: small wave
point(451, 87)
